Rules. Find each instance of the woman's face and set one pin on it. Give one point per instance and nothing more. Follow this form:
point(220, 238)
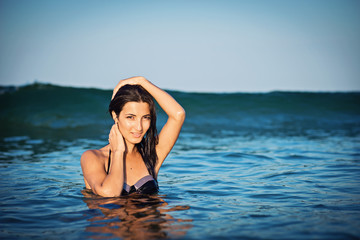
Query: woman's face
point(134, 121)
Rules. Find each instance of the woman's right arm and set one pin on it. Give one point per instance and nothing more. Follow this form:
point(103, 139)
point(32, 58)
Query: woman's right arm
point(100, 183)
point(106, 185)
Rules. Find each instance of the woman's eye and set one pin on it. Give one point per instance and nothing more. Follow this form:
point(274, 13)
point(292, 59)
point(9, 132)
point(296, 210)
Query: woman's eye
point(147, 117)
point(130, 117)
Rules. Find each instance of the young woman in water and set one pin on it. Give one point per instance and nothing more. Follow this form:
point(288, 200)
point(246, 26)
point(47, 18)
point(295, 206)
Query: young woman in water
point(132, 159)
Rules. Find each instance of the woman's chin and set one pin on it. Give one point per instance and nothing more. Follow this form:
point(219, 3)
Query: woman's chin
point(134, 141)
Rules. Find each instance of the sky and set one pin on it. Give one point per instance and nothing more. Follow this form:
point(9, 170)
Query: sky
point(196, 46)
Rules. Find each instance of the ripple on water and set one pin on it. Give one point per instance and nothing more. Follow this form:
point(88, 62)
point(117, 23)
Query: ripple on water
point(302, 189)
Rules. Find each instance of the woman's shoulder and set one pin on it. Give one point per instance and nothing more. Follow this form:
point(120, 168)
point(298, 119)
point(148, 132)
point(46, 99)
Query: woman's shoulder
point(94, 155)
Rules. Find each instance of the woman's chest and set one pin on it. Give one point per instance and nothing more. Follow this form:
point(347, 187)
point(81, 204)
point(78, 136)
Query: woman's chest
point(135, 169)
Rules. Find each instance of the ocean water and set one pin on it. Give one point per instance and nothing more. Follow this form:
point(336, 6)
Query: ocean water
point(279, 165)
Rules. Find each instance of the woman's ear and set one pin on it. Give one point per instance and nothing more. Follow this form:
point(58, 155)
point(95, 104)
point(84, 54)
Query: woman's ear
point(114, 116)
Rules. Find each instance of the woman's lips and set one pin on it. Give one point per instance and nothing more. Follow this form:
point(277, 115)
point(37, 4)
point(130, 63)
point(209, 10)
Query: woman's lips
point(136, 135)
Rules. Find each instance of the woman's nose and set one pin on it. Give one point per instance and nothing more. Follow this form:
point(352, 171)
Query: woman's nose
point(139, 126)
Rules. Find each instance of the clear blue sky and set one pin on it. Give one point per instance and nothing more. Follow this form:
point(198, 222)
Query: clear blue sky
point(206, 46)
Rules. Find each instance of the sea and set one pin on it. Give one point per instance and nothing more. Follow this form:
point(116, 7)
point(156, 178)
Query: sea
point(275, 165)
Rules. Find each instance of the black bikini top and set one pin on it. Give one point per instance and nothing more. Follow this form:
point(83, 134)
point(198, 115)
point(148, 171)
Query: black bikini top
point(145, 185)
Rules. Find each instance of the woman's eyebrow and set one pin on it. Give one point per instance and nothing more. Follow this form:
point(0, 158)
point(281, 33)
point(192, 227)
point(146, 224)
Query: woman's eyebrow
point(132, 114)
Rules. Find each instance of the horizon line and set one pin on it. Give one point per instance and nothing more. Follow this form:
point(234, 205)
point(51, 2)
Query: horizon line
point(183, 91)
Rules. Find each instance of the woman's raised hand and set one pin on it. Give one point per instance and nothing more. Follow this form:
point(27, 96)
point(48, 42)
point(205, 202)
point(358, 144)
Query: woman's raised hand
point(131, 81)
point(116, 139)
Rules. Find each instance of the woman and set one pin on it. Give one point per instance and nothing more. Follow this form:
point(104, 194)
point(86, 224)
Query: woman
point(132, 159)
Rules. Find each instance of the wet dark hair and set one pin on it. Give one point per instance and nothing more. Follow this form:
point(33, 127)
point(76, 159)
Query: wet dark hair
point(136, 93)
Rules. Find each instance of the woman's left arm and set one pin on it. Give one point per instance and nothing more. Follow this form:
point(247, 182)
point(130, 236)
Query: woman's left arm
point(176, 117)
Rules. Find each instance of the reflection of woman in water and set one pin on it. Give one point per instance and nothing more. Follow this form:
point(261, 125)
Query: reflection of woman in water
point(134, 217)
point(132, 159)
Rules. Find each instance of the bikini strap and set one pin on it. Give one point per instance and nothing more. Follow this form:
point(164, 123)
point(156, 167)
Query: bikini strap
point(109, 161)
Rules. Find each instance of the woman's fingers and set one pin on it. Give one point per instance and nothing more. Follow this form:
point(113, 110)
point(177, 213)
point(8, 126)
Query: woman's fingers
point(131, 81)
point(117, 130)
point(116, 139)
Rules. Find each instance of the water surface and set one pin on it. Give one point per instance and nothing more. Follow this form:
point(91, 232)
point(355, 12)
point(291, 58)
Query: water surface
point(246, 166)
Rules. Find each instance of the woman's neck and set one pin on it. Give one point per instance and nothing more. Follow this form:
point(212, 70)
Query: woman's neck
point(131, 148)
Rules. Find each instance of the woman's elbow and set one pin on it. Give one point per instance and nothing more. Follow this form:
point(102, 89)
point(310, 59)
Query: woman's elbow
point(109, 194)
point(180, 115)
point(105, 192)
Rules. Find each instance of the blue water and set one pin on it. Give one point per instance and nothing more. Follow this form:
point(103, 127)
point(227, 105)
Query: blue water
point(251, 167)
